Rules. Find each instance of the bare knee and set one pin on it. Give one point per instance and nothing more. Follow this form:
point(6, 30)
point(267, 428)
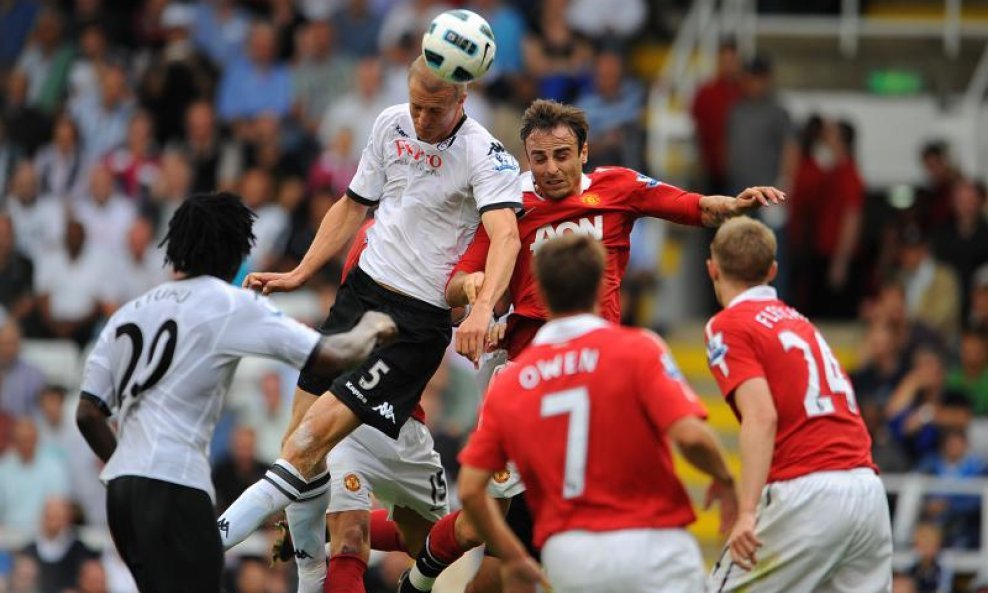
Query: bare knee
point(349, 533)
point(324, 425)
point(467, 536)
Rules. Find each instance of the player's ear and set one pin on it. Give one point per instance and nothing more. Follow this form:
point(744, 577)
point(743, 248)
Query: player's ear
point(772, 272)
point(712, 270)
point(585, 152)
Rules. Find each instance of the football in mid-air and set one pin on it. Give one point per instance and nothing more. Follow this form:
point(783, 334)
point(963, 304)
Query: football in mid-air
point(459, 46)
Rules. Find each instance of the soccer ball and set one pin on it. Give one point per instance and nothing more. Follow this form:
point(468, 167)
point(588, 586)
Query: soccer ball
point(459, 46)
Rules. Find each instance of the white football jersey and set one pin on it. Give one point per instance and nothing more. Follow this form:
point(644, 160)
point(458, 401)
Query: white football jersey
point(164, 362)
point(430, 198)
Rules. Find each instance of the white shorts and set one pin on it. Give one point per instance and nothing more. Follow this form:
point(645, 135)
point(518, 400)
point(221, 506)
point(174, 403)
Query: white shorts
point(401, 473)
point(824, 532)
point(625, 561)
point(505, 483)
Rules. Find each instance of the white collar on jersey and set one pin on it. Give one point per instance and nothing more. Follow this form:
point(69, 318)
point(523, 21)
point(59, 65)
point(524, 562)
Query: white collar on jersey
point(762, 292)
point(567, 328)
point(528, 183)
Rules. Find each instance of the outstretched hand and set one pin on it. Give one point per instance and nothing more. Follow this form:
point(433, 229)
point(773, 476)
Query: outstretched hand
point(269, 282)
point(756, 197)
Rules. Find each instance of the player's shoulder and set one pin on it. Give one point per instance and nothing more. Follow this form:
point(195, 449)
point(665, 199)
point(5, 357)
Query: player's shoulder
point(619, 182)
point(394, 122)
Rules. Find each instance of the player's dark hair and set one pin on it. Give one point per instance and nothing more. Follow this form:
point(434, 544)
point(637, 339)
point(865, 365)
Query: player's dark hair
point(544, 115)
point(568, 270)
point(209, 235)
point(744, 250)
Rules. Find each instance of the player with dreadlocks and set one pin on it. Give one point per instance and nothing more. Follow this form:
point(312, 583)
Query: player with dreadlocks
point(162, 366)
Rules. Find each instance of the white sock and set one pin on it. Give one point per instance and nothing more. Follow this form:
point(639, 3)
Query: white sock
point(248, 512)
point(419, 580)
point(307, 523)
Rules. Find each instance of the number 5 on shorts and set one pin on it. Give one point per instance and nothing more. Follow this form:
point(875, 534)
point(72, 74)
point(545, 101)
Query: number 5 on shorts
point(576, 403)
point(377, 370)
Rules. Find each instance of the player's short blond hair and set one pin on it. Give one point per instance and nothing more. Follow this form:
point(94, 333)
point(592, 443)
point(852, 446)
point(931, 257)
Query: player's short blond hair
point(744, 250)
point(419, 70)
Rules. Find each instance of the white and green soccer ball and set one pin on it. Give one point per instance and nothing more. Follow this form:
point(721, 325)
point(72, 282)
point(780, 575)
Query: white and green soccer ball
point(459, 46)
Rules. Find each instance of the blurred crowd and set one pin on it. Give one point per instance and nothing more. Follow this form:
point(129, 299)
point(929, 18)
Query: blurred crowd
point(112, 112)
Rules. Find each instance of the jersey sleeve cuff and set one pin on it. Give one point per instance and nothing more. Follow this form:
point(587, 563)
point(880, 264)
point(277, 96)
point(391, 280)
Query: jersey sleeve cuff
point(96, 401)
point(359, 198)
point(499, 205)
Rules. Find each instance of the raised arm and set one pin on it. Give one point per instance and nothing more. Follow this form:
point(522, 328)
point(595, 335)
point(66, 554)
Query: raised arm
point(714, 210)
point(501, 226)
point(337, 227)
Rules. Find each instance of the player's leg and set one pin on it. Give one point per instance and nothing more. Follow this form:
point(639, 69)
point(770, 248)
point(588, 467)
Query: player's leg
point(519, 518)
point(866, 565)
point(349, 550)
point(124, 523)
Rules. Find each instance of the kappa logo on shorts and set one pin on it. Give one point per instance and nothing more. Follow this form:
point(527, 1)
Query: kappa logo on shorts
point(502, 476)
point(385, 409)
point(351, 482)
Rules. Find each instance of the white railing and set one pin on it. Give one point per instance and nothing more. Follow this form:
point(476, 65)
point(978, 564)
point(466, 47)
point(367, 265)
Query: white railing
point(910, 491)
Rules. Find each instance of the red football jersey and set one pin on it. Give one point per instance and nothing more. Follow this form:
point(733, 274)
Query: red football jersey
point(599, 397)
point(819, 427)
point(611, 200)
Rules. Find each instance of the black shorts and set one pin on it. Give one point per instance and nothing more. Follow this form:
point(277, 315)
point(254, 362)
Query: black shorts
point(166, 534)
point(519, 519)
point(384, 390)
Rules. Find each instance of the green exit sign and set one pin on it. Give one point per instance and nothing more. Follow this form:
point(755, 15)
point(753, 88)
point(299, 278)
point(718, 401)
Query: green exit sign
point(894, 82)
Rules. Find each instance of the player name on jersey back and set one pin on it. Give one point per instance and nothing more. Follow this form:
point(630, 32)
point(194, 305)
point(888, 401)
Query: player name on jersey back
point(819, 426)
point(163, 363)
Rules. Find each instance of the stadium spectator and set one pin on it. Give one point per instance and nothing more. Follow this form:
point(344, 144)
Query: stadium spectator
point(560, 60)
point(60, 164)
point(105, 213)
point(268, 147)
point(20, 381)
point(9, 155)
point(881, 366)
point(116, 23)
point(58, 433)
point(250, 576)
point(614, 110)
point(134, 165)
point(27, 126)
point(304, 232)
point(287, 20)
point(268, 416)
point(28, 477)
point(38, 220)
point(57, 549)
point(333, 169)
point(103, 117)
point(913, 406)
point(92, 578)
point(933, 200)
point(232, 475)
point(509, 31)
point(612, 22)
point(221, 29)
point(142, 266)
point(358, 29)
point(887, 453)
point(889, 306)
point(24, 575)
point(215, 161)
point(147, 26)
point(931, 288)
point(928, 570)
point(171, 188)
point(320, 76)
point(16, 274)
point(406, 19)
point(963, 242)
point(94, 55)
point(271, 226)
point(178, 76)
point(70, 283)
point(356, 110)
point(970, 375)
point(957, 514)
point(979, 297)
point(16, 22)
point(711, 108)
point(903, 583)
point(256, 83)
point(46, 61)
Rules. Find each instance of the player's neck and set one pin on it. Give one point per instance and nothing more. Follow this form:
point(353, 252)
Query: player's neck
point(732, 290)
point(557, 316)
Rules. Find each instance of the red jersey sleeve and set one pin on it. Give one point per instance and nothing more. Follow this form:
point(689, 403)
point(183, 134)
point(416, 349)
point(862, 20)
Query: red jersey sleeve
point(649, 197)
point(485, 449)
point(474, 259)
point(357, 247)
point(665, 395)
point(731, 355)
